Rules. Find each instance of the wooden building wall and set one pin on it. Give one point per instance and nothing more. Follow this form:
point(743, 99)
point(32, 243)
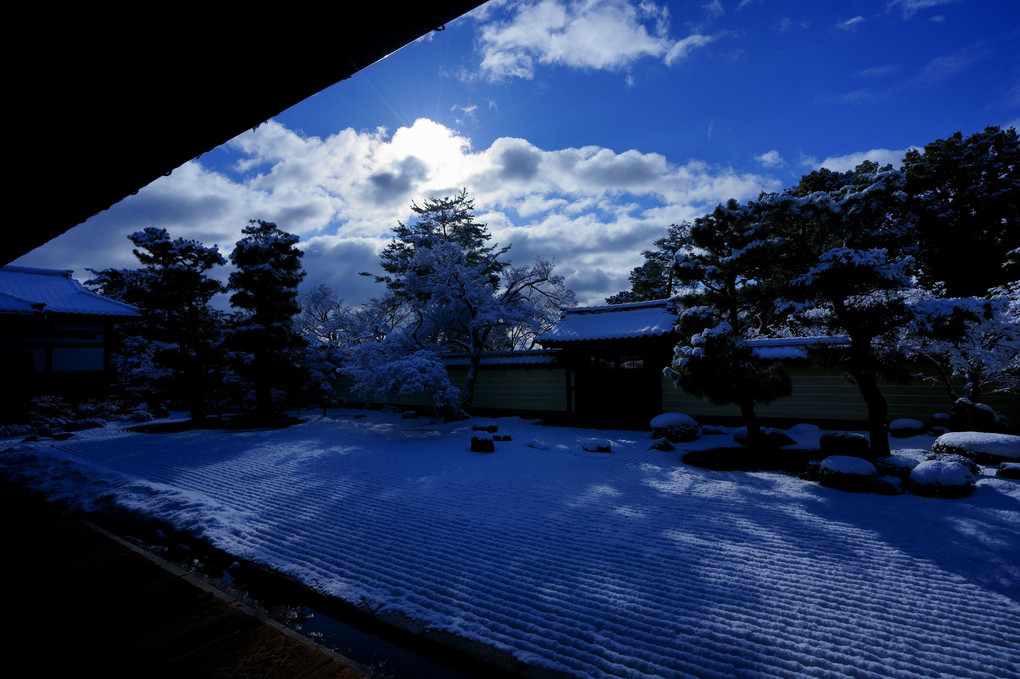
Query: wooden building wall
point(819, 396)
point(509, 389)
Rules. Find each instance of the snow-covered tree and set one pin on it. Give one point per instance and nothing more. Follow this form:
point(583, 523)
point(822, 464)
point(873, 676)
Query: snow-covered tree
point(264, 288)
point(654, 279)
point(176, 348)
point(720, 267)
point(972, 341)
point(449, 290)
point(965, 193)
point(843, 265)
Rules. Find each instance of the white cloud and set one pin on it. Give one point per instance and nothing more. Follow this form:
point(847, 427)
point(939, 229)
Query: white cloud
point(787, 25)
point(851, 24)
point(909, 8)
point(592, 209)
point(770, 158)
point(596, 34)
point(851, 160)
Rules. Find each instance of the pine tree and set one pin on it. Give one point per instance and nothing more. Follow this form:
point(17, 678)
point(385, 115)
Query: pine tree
point(655, 279)
point(843, 266)
point(721, 265)
point(965, 193)
point(264, 288)
point(176, 348)
point(449, 290)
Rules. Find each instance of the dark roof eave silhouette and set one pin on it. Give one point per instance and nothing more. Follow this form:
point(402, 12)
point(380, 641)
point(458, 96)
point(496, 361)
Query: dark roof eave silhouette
point(103, 101)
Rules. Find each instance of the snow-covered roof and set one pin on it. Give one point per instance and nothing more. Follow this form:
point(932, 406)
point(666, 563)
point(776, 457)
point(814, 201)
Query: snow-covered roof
point(502, 359)
point(789, 347)
point(612, 322)
point(27, 290)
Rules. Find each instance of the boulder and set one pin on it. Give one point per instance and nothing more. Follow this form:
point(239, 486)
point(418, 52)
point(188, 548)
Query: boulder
point(843, 472)
point(481, 442)
point(598, 446)
point(663, 445)
point(941, 478)
point(676, 427)
point(1008, 470)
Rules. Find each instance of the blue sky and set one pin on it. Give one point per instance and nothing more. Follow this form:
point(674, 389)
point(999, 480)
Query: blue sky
point(583, 129)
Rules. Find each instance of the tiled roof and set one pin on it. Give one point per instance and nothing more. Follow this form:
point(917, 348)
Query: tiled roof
point(500, 359)
point(30, 290)
point(789, 347)
point(611, 322)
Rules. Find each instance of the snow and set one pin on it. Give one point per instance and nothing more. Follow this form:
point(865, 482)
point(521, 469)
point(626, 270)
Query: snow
point(1000, 445)
point(629, 564)
point(613, 321)
point(906, 424)
point(844, 464)
point(31, 290)
point(673, 420)
point(941, 473)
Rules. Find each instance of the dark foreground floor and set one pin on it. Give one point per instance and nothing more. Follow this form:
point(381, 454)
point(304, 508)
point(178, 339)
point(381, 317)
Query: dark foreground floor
point(80, 602)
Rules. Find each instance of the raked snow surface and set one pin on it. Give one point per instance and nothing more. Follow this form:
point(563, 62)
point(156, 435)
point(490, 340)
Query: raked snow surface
point(626, 564)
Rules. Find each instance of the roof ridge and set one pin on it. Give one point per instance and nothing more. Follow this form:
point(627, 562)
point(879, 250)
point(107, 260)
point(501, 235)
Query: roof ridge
point(13, 268)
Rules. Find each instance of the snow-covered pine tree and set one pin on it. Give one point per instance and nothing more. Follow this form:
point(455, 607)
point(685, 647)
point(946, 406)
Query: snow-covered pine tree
point(449, 290)
point(175, 351)
point(843, 267)
point(264, 287)
point(965, 194)
point(719, 268)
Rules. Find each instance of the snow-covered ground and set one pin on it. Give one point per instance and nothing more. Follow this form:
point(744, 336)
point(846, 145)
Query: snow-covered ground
point(621, 564)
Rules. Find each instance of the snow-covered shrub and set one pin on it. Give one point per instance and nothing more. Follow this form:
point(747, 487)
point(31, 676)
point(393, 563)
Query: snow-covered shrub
point(981, 446)
point(905, 427)
point(85, 423)
point(941, 478)
point(969, 416)
point(1008, 470)
point(7, 430)
point(482, 442)
point(967, 462)
point(51, 411)
point(770, 437)
point(844, 443)
point(895, 465)
point(843, 472)
point(676, 427)
point(139, 415)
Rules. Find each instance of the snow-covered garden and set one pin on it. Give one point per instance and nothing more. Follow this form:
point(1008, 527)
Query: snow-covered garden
point(629, 563)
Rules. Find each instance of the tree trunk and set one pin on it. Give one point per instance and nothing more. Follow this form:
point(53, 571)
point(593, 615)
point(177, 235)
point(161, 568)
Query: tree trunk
point(751, 422)
point(973, 388)
point(469, 384)
point(878, 412)
point(263, 390)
